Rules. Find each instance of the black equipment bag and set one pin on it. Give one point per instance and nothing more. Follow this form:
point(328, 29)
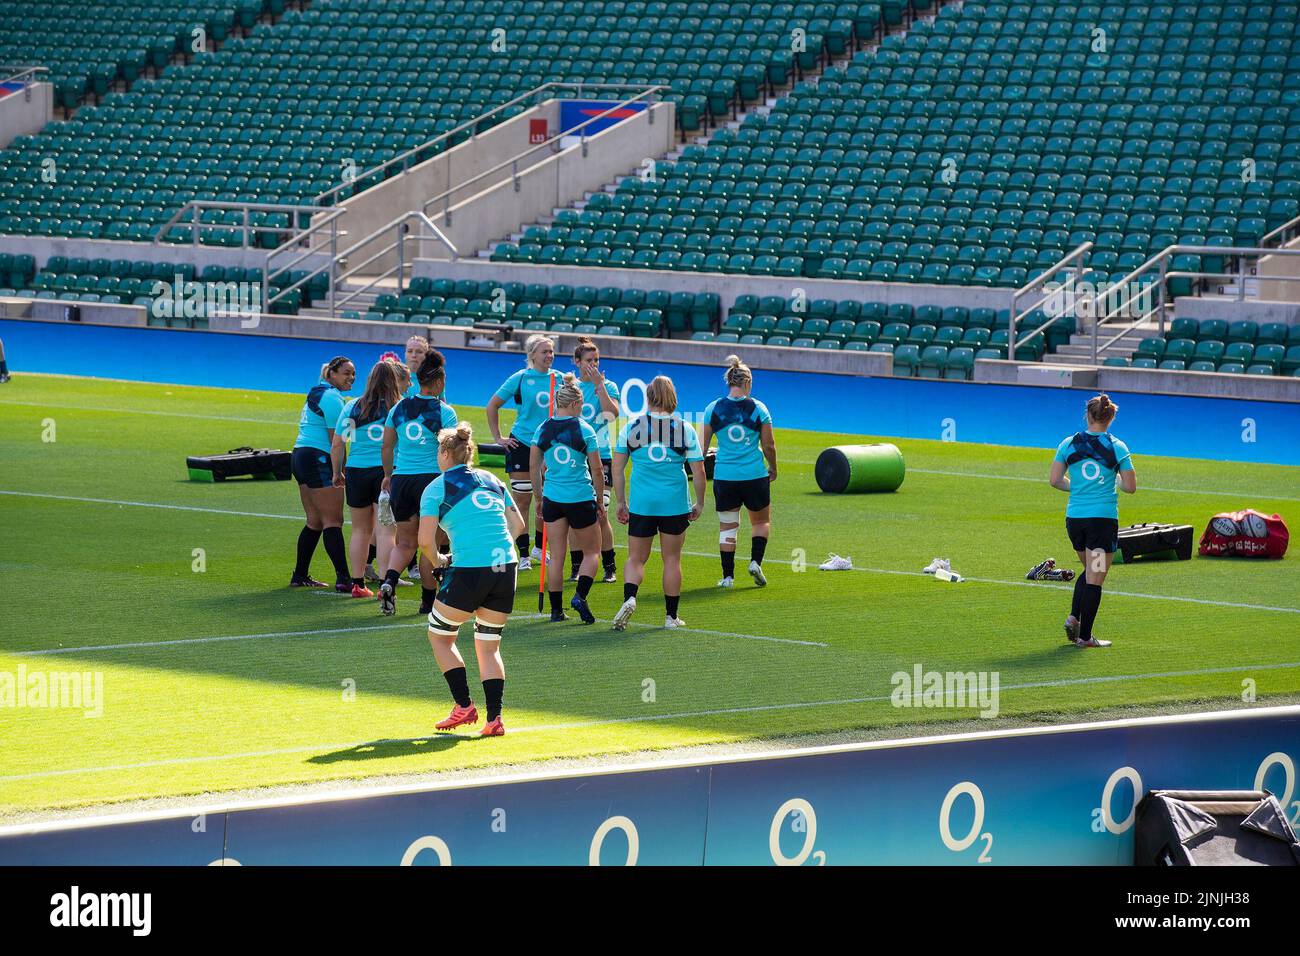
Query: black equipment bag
point(1213, 828)
point(1150, 540)
point(260, 463)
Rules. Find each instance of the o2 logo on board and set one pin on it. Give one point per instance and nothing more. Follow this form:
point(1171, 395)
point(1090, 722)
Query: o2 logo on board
point(960, 844)
point(803, 820)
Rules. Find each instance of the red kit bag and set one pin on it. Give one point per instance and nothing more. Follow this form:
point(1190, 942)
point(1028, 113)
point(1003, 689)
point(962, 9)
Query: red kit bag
point(1247, 534)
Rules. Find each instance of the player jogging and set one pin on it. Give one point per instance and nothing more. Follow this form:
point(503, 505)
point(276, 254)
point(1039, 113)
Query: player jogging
point(600, 406)
point(322, 500)
point(570, 487)
point(744, 469)
point(657, 501)
point(410, 458)
point(361, 423)
point(530, 389)
point(481, 520)
point(1086, 466)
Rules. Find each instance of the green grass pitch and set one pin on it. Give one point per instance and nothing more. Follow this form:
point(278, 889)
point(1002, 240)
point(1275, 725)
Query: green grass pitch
point(225, 678)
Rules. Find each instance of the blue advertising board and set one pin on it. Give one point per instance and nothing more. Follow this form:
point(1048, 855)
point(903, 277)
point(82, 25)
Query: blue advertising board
point(576, 112)
point(1050, 795)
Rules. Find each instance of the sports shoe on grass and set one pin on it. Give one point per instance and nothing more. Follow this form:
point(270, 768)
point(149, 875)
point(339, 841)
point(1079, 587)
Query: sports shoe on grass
point(358, 591)
point(726, 583)
point(525, 564)
point(580, 605)
point(387, 603)
point(493, 728)
point(935, 565)
point(1072, 629)
point(373, 576)
point(1039, 571)
point(459, 715)
point(306, 581)
point(756, 572)
point(558, 616)
point(1092, 642)
point(836, 563)
point(611, 577)
point(624, 614)
point(670, 621)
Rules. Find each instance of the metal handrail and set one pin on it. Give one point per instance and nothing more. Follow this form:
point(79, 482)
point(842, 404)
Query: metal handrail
point(1038, 282)
point(196, 206)
point(329, 220)
point(513, 162)
point(27, 76)
point(1281, 231)
point(474, 123)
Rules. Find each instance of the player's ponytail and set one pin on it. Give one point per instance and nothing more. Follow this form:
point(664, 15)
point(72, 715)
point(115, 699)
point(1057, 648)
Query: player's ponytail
point(584, 346)
point(568, 393)
point(738, 374)
point(1101, 409)
point(457, 443)
point(432, 370)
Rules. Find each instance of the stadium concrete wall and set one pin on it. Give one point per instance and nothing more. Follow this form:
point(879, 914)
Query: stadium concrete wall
point(25, 112)
point(998, 798)
point(1170, 425)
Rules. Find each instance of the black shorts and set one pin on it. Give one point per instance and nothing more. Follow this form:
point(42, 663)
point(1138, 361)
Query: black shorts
point(647, 526)
point(312, 467)
point(468, 589)
point(363, 486)
point(755, 494)
point(1093, 534)
point(519, 458)
point(404, 495)
point(579, 514)
point(607, 466)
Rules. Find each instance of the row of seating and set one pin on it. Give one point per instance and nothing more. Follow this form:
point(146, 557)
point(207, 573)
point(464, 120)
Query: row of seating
point(1256, 333)
point(909, 360)
point(1290, 367)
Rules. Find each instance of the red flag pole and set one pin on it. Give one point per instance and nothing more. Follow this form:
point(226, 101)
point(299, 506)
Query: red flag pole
point(541, 578)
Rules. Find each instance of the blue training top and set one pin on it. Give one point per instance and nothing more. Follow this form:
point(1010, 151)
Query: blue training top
point(366, 437)
point(565, 442)
point(320, 413)
point(1093, 461)
point(470, 506)
point(531, 391)
point(738, 423)
point(417, 422)
point(596, 416)
point(657, 445)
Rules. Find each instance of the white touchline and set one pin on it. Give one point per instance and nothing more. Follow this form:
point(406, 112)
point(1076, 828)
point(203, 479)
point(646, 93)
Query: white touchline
point(417, 623)
point(695, 554)
point(286, 423)
point(574, 725)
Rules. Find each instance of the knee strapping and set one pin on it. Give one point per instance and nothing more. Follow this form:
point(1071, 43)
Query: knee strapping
point(729, 517)
point(521, 487)
point(727, 537)
point(487, 632)
point(441, 626)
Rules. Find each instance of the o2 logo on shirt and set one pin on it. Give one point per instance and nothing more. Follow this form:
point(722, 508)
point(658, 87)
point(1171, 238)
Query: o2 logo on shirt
point(656, 452)
point(563, 456)
point(543, 400)
point(1090, 470)
point(483, 500)
point(415, 432)
point(738, 433)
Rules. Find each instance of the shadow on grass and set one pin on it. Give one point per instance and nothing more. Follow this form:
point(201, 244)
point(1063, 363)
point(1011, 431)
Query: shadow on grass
point(387, 749)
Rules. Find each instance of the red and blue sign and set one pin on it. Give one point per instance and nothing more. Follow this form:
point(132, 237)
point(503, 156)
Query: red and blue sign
point(575, 112)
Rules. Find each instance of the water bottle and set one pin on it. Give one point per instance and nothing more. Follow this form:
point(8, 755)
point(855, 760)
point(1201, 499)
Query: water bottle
point(941, 574)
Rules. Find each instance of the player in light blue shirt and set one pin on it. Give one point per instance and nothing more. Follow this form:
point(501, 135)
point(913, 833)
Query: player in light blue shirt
point(744, 469)
point(531, 390)
point(600, 407)
point(658, 445)
point(1088, 465)
point(570, 485)
point(410, 457)
point(321, 494)
point(474, 511)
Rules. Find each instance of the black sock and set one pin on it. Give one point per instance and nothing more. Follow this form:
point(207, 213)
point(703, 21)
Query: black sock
point(575, 560)
point(493, 690)
point(428, 594)
point(1088, 610)
point(358, 582)
point(557, 601)
point(757, 548)
point(1076, 603)
point(391, 577)
point(728, 563)
point(371, 555)
point(670, 602)
point(4, 367)
point(607, 559)
point(307, 539)
point(459, 685)
point(584, 585)
point(537, 539)
point(337, 549)
point(629, 590)
point(521, 544)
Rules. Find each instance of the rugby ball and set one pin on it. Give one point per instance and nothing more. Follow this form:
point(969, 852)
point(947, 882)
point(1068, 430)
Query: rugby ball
point(1254, 526)
point(1225, 526)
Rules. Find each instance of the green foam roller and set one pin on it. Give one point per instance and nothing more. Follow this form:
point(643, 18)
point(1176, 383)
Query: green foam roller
point(491, 456)
point(855, 469)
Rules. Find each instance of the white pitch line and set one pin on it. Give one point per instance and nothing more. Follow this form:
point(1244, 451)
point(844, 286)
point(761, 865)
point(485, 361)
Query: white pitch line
point(697, 554)
point(577, 725)
point(144, 411)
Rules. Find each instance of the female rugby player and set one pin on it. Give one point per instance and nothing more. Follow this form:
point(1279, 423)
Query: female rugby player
point(599, 407)
point(322, 501)
point(472, 507)
point(417, 347)
point(530, 388)
point(570, 493)
point(1086, 466)
point(4, 366)
point(656, 443)
point(742, 474)
point(410, 457)
point(362, 424)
